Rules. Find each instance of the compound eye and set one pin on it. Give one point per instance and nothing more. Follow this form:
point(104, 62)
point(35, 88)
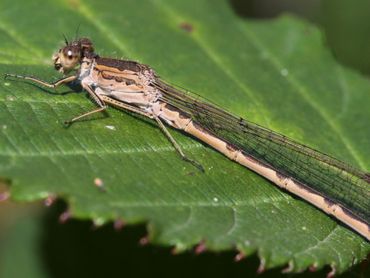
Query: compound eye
point(69, 54)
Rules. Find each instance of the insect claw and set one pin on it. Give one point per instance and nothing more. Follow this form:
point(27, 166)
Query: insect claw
point(199, 166)
point(7, 75)
point(67, 123)
point(195, 163)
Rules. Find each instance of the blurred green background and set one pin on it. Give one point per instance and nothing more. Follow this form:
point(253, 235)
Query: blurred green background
point(34, 244)
point(346, 24)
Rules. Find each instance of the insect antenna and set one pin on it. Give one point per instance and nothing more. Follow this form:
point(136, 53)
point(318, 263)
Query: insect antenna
point(77, 31)
point(65, 39)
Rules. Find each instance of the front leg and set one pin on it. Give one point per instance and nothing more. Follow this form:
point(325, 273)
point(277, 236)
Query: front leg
point(53, 85)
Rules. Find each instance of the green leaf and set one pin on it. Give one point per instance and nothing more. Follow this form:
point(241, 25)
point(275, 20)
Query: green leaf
point(276, 73)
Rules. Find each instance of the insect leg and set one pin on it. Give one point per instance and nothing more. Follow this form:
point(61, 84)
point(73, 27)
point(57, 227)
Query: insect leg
point(42, 82)
point(177, 146)
point(125, 106)
point(97, 100)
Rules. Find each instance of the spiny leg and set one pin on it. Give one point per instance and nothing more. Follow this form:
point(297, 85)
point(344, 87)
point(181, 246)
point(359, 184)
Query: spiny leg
point(42, 82)
point(177, 146)
point(161, 125)
point(97, 100)
point(69, 122)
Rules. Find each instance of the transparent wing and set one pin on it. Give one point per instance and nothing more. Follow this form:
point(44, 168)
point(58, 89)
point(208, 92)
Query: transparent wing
point(330, 177)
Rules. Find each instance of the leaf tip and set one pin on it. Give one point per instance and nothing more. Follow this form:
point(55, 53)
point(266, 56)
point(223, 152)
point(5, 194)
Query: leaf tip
point(313, 267)
point(4, 196)
point(64, 217)
point(175, 251)
point(118, 224)
point(289, 268)
point(262, 267)
point(50, 200)
point(97, 223)
point(144, 240)
point(332, 272)
point(238, 257)
point(200, 248)
point(179, 248)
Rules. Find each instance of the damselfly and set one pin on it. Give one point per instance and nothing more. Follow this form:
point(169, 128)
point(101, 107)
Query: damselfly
point(331, 185)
